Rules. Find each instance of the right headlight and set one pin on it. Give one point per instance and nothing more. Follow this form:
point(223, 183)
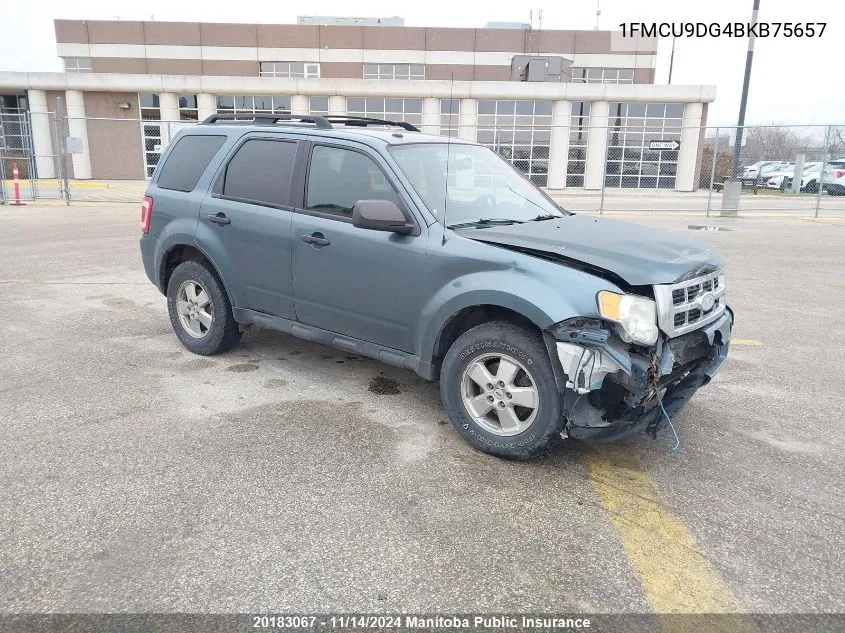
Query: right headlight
point(636, 315)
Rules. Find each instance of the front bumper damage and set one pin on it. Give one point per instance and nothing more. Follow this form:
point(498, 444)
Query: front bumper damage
point(610, 389)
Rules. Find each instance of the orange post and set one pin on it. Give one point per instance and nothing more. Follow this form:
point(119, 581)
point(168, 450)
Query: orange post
point(17, 182)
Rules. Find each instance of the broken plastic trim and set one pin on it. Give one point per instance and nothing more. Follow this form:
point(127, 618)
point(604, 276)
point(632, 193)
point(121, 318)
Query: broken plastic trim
point(587, 354)
point(586, 367)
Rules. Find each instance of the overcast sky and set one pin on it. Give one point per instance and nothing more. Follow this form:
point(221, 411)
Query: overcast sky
point(794, 80)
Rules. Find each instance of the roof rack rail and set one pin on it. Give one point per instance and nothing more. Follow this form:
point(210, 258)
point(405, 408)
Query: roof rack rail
point(361, 121)
point(266, 119)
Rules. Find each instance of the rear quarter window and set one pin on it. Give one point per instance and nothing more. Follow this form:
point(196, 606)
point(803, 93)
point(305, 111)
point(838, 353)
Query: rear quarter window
point(187, 161)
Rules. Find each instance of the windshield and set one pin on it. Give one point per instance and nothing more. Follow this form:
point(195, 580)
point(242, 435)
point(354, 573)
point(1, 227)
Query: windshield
point(482, 188)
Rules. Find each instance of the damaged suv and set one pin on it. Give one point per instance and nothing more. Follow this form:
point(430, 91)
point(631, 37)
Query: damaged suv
point(437, 256)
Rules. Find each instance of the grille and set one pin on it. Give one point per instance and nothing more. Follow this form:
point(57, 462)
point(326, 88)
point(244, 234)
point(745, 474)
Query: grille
point(689, 293)
point(681, 306)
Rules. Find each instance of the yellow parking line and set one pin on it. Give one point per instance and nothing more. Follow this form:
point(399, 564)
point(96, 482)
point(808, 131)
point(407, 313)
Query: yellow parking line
point(675, 575)
point(56, 184)
point(746, 341)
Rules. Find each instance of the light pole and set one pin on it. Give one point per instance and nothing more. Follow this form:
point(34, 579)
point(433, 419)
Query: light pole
point(671, 60)
point(744, 100)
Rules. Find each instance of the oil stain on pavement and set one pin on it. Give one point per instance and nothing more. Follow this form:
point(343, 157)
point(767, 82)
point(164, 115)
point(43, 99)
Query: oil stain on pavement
point(384, 386)
point(242, 367)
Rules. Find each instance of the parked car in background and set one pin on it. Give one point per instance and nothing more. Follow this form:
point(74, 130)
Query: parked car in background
point(810, 179)
point(759, 171)
point(782, 178)
point(837, 187)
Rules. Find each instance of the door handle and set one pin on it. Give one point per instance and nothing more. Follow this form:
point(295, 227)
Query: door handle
point(316, 239)
point(218, 218)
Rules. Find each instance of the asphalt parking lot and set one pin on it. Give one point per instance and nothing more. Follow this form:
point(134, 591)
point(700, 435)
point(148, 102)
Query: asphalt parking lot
point(288, 476)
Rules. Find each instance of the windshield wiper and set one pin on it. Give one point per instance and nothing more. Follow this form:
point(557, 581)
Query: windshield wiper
point(546, 216)
point(485, 222)
point(542, 216)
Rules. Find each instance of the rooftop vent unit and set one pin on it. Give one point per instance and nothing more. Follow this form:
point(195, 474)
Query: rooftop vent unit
point(541, 68)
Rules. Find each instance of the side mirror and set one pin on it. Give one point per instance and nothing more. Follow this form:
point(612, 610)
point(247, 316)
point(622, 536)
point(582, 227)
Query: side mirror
point(380, 215)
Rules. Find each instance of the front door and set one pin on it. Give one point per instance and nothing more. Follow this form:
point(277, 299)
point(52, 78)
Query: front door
point(357, 282)
point(246, 224)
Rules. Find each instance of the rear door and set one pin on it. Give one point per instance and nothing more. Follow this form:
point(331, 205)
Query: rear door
point(245, 223)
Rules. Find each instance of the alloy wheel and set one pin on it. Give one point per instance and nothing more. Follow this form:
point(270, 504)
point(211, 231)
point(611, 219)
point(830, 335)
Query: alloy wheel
point(500, 394)
point(193, 305)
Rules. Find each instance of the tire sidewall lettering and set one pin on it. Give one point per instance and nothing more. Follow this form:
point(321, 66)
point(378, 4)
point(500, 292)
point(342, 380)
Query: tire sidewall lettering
point(498, 346)
point(489, 440)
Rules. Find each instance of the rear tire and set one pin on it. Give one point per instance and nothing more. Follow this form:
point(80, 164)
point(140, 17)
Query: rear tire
point(520, 415)
point(199, 309)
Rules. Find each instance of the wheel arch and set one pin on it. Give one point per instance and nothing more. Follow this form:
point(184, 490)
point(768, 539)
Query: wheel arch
point(183, 252)
point(470, 316)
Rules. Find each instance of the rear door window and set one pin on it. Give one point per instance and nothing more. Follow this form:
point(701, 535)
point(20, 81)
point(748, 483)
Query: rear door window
point(187, 161)
point(260, 172)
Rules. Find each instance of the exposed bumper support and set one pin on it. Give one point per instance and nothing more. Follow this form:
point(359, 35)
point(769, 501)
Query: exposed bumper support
point(589, 355)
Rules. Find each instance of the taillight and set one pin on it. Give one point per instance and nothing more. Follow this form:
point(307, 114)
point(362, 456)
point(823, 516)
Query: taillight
point(146, 214)
point(840, 173)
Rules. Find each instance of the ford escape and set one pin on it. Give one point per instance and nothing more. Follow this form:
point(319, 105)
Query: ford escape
point(435, 255)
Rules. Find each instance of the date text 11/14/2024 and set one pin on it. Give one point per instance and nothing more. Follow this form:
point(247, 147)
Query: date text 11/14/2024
point(311, 622)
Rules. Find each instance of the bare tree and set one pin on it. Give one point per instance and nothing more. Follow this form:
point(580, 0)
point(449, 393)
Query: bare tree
point(836, 141)
point(782, 143)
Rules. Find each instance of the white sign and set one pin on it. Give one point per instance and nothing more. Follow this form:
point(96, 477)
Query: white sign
point(74, 145)
point(664, 145)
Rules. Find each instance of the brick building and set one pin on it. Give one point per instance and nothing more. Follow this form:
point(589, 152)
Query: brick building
point(566, 107)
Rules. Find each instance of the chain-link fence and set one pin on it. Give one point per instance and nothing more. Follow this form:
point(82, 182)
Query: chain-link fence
point(31, 170)
point(645, 161)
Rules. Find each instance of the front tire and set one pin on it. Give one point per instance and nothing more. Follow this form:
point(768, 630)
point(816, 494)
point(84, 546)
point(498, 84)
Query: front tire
point(199, 309)
point(498, 387)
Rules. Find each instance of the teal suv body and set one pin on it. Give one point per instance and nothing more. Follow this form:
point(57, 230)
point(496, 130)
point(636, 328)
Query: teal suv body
point(435, 255)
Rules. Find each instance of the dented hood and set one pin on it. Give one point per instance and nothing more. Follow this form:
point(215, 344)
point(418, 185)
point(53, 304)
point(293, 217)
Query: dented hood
point(639, 255)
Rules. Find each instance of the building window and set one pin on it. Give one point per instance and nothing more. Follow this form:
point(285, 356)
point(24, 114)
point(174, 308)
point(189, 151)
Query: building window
point(520, 132)
point(394, 71)
point(77, 64)
point(409, 110)
point(318, 105)
point(15, 134)
point(188, 108)
point(252, 104)
point(299, 70)
point(149, 106)
point(630, 164)
point(603, 75)
point(579, 129)
point(13, 103)
point(450, 110)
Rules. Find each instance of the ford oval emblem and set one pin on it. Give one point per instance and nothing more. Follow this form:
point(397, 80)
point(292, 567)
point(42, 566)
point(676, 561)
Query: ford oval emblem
point(707, 302)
